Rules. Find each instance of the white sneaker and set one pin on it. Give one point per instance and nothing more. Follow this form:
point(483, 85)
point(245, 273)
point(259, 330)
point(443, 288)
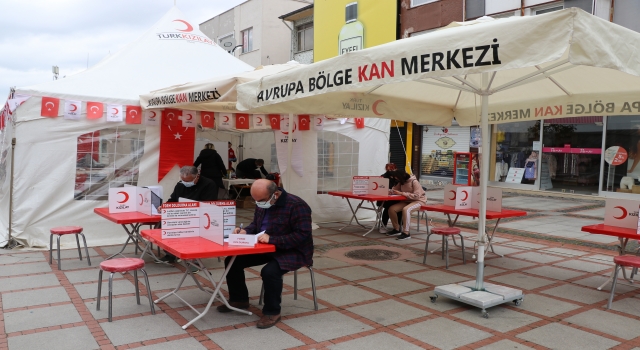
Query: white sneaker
point(383, 229)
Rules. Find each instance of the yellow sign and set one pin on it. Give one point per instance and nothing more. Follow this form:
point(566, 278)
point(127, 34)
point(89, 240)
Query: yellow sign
point(342, 26)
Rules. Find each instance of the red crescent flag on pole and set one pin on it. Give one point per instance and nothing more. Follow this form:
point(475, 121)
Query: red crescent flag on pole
point(208, 120)
point(134, 115)
point(318, 122)
point(274, 120)
point(95, 110)
point(152, 117)
point(177, 145)
point(242, 121)
point(171, 117)
point(50, 107)
point(303, 121)
point(359, 123)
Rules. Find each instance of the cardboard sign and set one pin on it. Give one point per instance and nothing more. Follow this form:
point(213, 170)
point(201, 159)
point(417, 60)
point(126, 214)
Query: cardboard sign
point(378, 186)
point(244, 240)
point(464, 197)
point(130, 199)
point(494, 199)
point(228, 215)
point(450, 195)
point(621, 213)
point(360, 185)
point(363, 185)
point(192, 219)
point(514, 176)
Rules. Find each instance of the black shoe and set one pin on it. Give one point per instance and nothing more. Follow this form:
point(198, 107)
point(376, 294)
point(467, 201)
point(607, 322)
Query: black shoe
point(403, 236)
point(168, 259)
point(393, 232)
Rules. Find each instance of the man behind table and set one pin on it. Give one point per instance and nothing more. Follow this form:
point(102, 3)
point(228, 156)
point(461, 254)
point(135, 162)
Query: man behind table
point(194, 187)
point(286, 220)
point(248, 169)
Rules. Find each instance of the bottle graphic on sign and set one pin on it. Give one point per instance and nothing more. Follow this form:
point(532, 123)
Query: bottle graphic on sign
point(351, 36)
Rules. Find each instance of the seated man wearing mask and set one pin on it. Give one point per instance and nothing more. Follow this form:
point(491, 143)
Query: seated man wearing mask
point(194, 187)
point(286, 220)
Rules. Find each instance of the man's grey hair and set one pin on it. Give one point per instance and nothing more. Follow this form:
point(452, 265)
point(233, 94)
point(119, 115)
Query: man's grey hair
point(188, 170)
point(272, 188)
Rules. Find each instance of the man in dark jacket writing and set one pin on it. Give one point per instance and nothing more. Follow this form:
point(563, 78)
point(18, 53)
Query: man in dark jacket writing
point(248, 169)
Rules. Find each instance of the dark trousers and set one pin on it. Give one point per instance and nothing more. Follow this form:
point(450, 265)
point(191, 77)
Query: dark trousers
point(271, 278)
point(385, 212)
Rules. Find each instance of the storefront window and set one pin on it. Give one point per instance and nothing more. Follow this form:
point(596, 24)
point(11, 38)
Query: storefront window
point(514, 158)
point(623, 131)
point(571, 149)
point(438, 147)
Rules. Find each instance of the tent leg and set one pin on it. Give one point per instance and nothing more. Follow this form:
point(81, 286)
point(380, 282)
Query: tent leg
point(11, 242)
point(484, 179)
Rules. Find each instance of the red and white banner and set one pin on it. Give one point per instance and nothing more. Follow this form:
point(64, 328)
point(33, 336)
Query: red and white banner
point(621, 213)
point(225, 121)
point(189, 119)
point(151, 117)
point(304, 121)
point(171, 117)
point(274, 121)
point(134, 115)
point(95, 110)
point(259, 121)
point(72, 109)
point(282, 139)
point(177, 145)
point(318, 122)
point(242, 121)
point(16, 101)
point(114, 113)
point(208, 120)
point(50, 106)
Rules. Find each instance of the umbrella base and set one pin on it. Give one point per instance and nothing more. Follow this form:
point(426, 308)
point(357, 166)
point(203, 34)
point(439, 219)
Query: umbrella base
point(492, 295)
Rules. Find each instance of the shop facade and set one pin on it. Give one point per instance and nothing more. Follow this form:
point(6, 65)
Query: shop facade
point(439, 144)
point(567, 155)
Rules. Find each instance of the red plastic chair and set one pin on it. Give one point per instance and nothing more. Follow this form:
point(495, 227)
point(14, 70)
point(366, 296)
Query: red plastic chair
point(123, 265)
point(445, 232)
point(632, 261)
point(67, 230)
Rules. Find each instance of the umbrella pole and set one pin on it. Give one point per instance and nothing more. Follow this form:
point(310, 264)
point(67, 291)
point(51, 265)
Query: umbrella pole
point(484, 179)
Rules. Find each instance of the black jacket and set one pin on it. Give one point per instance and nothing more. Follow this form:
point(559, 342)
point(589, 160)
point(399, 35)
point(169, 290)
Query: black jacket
point(387, 175)
point(248, 165)
point(212, 164)
point(204, 190)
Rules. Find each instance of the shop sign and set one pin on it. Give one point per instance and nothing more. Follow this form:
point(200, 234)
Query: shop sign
point(615, 155)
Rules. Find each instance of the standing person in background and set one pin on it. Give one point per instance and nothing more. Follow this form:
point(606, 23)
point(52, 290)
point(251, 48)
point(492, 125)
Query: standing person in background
point(385, 211)
point(232, 156)
point(409, 187)
point(251, 168)
point(211, 165)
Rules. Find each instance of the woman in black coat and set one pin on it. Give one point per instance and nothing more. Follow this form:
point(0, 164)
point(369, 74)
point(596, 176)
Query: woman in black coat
point(212, 165)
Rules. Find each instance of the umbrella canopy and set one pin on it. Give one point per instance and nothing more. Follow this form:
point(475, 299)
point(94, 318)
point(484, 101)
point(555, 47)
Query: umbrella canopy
point(562, 64)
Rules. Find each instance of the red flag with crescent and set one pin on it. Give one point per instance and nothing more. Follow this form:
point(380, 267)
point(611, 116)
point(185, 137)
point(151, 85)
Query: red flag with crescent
point(171, 117)
point(176, 147)
point(274, 120)
point(242, 121)
point(208, 119)
point(303, 121)
point(134, 115)
point(359, 123)
point(95, 110)
point(50, 107)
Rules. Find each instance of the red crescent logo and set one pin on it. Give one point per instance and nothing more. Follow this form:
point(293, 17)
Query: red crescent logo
point(153, 115)
point(454, 195)
point(226, 119)
point(189, 117)
point(466, 195)
point(624, 213)
point(75, 108)
point(374, 108)
point(319, 121)
point(375, 183)
point(126, 197)
point(293, 130)
point(116, 111)
point(206, 227)
point(189, 27)
point(260, 120)
point(141, 199)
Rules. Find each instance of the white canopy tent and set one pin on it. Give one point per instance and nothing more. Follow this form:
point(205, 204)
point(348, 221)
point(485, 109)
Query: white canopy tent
point(565, 63)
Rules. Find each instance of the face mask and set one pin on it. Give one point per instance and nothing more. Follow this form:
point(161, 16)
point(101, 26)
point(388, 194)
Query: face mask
point(266, 204)
point(188, 184)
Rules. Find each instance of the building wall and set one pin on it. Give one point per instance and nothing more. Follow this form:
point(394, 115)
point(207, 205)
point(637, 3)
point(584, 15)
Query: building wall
point(428, 16)
point(276, 35)
point(305, 57)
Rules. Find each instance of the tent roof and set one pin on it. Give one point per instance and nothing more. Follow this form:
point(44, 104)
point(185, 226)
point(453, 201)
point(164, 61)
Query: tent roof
point(173, 51)
point(561, 64)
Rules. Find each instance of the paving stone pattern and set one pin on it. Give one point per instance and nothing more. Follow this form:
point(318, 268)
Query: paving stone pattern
point(363, 305)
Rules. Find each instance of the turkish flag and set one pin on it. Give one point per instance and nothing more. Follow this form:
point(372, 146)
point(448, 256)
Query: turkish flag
point(171, 117)
point(359, 123)
point(242, 121)
point(50, 107)
point(134, 115)
point(208, 119)
point(303, 121)
point(274, 119)
point(177, 144)
point(95, 110)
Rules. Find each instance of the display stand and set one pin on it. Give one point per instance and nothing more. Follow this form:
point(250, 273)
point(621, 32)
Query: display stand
point(545, 177)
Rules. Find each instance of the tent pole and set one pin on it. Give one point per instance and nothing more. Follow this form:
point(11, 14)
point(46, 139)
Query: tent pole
point(10, 243)
point(484, 179)
point(289, 151)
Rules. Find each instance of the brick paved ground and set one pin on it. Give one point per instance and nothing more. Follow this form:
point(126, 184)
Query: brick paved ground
point(363, 304)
